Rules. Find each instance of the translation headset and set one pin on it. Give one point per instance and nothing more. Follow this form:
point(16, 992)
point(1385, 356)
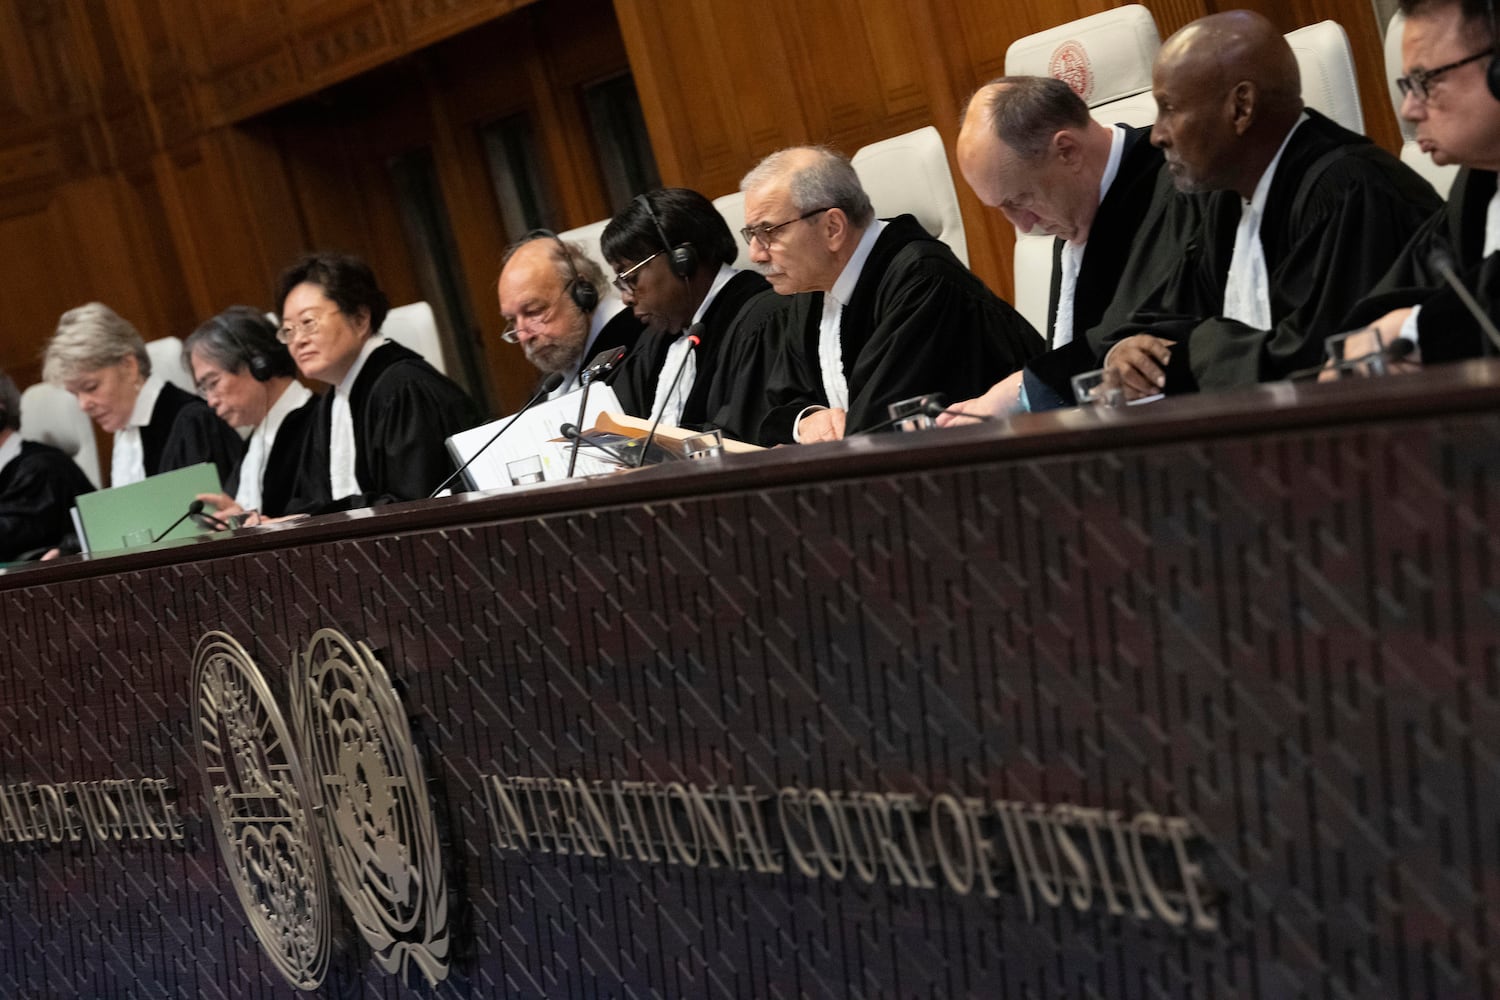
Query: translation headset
point(262, 366)
point(580, 289)
point(683, 258)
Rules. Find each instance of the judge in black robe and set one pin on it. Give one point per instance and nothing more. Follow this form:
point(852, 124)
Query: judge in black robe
point(403, 411)
point(37, 490)
point(917, 322)
point(184, 431)
point(279, 481)
point(1446, 330)
point(637, 381)
point(1338, 211)
point(1135, 242)
point(400, 408)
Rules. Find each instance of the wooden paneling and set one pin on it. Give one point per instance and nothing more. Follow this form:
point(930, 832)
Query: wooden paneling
point(171, 156)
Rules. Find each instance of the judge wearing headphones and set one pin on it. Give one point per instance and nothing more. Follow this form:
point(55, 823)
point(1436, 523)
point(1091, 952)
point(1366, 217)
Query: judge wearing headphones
point(556, 306)
point(1451, 93)
point(249, 379)
point(673, 256)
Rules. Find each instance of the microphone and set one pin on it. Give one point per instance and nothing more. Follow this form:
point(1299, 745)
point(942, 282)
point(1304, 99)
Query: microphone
point(212, 522)
point(694, 338)
point(548, 384)
point(602, 364)
point(1441, 261)
point(1394, 351)
point(194, 510)
point(929, 407)
point(572, 433)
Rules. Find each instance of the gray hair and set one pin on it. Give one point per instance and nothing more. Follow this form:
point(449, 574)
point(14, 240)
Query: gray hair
point(829, 181)
point(10, 404)
point(1025, 112)
point(89, 338)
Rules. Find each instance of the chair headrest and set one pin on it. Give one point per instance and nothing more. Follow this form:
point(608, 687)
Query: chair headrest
point(1326, 62)
point(1103, 57)
point(1393, 33)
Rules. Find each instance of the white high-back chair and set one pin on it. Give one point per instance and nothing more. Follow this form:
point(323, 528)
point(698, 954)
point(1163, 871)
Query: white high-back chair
point(166, 361)
point(1329, 83)
point(732, 207)
point(1440, 178)
point(1106, 58)
point(588, 238)
point(909, 173)
point(415, 328)
point(50, 415)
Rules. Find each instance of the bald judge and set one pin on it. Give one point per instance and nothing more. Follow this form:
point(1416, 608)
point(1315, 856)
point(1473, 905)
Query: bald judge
point(1306, 217)
point(1029, 148)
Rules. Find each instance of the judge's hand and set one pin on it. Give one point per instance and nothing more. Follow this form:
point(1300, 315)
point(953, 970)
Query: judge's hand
point(1361, 344)
point(1003, 399)
point(222, 503)
point(1139, 364)
point(821, 425)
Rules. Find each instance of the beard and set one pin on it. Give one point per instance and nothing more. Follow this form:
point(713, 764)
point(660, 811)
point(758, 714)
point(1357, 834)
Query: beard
point(558, 354)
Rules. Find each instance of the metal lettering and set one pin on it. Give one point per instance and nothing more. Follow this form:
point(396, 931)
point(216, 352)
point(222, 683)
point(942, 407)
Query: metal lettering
point(834, 866)
point(1139, 827)
point(1081, 890)
point(957, 872)
point(1178, 829)
point(792, 797)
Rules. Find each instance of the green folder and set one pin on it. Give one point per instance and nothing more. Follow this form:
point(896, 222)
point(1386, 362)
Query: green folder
point(130, 517)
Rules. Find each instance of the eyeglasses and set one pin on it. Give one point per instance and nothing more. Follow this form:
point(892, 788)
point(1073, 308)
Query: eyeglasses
point(626, 279)
point(532, 312)
point(1416, 84)
point(307, 326)
point(762, 233)
point(208, 385)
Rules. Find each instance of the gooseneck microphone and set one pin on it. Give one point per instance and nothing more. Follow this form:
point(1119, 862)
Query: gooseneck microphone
point(572, 433)
point(602, 364)
point(549, 383)
point(930, 408)
point(694, 338)
point(194, 509)
point(1441, 261)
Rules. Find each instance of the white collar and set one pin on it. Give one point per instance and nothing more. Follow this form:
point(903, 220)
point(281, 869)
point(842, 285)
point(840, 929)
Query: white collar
point(1111, 170)
point(726, 273)
point(10, 450)
point(1112, 166)
point(610, 305)
point(843, 288)
point(290, 399)
point(1263, 186)
point(346, 384)
point(145, 401)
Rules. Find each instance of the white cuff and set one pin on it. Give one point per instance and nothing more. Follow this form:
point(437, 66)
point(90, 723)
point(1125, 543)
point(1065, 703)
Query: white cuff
point(797, 424)
point(1409, 328)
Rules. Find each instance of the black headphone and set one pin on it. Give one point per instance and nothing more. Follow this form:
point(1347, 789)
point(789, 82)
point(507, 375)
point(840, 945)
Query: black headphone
point(683, 258)
point(580, 289)
point(262, 367)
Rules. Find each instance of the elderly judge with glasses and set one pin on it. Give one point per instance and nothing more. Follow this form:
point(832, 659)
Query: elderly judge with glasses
point(880, 310)
point(376, 436)
point(557, 307)
point(1451, 93)
point(249, 378)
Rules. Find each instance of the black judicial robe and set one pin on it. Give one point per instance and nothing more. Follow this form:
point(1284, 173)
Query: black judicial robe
point(1338, 212)
point(636, 381)
point(917, 322)
point(37, 488)
point(283, 464)
point(1135, 244)
point(403, 410)
point(1446, 330)
point(183, 431)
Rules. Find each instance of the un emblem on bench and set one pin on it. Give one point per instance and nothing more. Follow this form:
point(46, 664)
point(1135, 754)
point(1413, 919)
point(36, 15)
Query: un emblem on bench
point(341, 791)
